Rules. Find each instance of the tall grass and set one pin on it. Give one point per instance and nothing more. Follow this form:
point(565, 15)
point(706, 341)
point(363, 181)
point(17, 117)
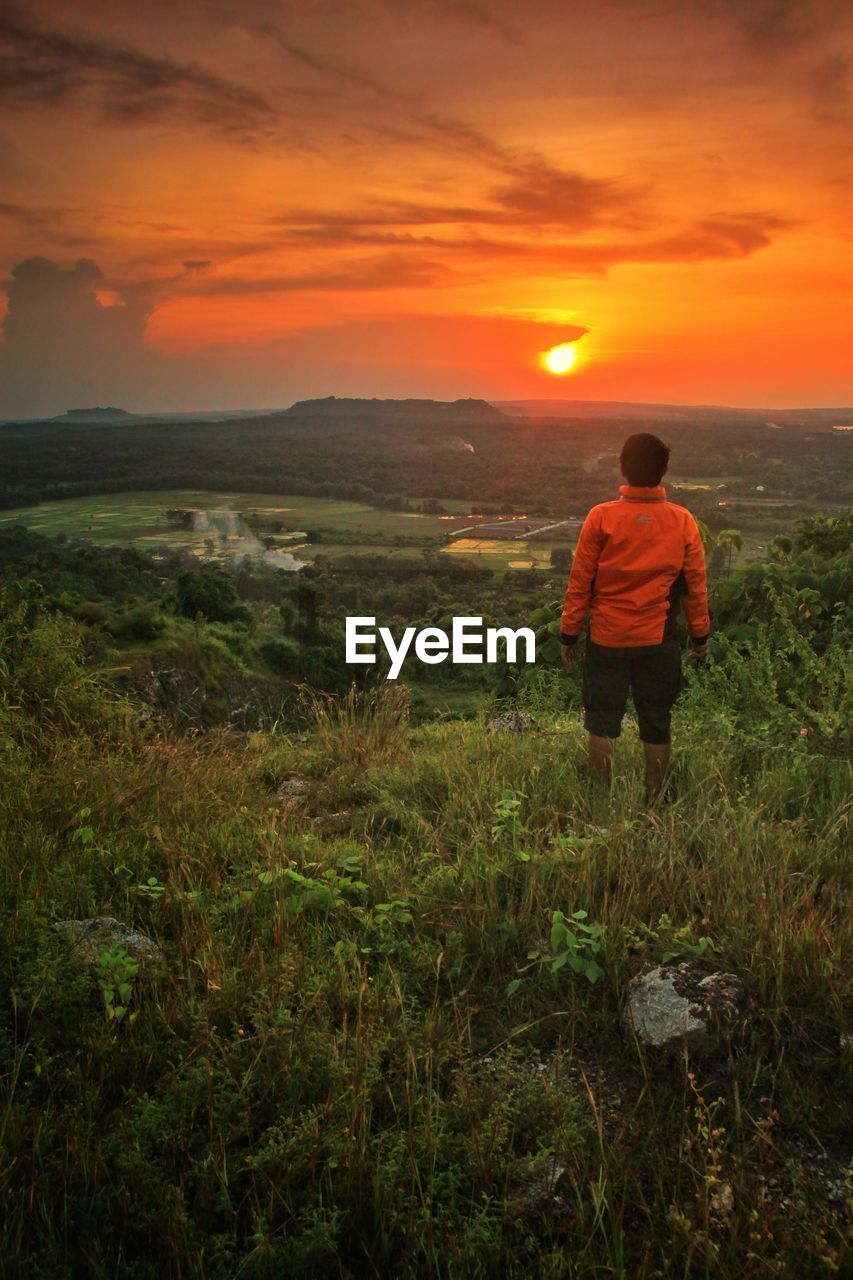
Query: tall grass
point(330, 1079)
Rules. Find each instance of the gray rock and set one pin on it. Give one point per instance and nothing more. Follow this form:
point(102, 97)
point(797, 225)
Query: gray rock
point(292, 792)
point(87, 936)
point(542, 1189)
point(673, 1006)
point(513, 722)
point(329, 823)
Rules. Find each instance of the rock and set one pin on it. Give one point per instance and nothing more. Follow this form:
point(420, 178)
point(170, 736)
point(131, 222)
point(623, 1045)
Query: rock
point(329, 823)
point(88, 935)
point(513, 722)
point(678, 1005)
point(543, 1190)
point(292, 792)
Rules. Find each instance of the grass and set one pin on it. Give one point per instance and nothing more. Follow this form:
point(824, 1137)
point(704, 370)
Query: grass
point(329, 1078)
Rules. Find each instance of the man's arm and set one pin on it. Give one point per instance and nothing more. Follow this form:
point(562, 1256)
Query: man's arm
point(695, 601)
point(581, 579)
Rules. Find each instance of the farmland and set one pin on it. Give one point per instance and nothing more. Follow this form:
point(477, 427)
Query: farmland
point(338, 526)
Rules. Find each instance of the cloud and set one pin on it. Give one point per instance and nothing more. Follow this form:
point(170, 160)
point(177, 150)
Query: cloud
point(797, 39)
point(717, 237)
point(61, 345)
point(379, 271)
point(41, 68)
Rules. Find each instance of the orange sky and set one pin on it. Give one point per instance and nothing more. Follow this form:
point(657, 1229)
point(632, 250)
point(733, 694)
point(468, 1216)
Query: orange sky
point(417, 197)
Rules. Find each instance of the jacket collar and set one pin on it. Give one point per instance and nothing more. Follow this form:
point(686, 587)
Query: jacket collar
point(639, 493)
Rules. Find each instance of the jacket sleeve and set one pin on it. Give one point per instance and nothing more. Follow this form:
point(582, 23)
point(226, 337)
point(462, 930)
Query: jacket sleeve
point(581, 579)
point(695, 600)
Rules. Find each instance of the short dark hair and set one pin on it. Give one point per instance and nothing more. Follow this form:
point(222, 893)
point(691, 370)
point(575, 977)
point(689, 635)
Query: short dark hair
point(644, 459)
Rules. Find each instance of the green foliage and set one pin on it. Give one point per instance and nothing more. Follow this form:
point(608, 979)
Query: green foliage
point(577, 944)
point(826, 535)
point(573, 942)
point(298, 893)
point(116, 970)
point(42, 675)
point(667, 941)
point(211, 594)
point(507, 819)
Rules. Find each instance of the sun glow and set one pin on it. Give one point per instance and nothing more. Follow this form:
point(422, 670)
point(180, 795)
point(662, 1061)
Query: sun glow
point(561, 359)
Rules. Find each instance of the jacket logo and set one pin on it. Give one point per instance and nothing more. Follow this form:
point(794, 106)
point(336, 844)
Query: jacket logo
point(642, 519)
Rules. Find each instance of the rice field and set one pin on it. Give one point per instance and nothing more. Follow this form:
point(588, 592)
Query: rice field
point(349, 528)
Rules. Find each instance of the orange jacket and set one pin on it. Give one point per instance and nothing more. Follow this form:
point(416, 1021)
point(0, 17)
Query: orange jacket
point(635, 558)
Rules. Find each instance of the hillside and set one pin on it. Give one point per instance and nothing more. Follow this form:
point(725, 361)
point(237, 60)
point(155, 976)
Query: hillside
point(370, 1046)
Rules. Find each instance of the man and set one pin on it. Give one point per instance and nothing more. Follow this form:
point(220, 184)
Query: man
point(635, 559)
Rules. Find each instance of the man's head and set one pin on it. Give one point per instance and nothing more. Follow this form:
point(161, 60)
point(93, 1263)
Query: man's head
point(644, 460)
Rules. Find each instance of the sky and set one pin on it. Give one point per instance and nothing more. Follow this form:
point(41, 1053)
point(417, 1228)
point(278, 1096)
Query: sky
point(241, 203)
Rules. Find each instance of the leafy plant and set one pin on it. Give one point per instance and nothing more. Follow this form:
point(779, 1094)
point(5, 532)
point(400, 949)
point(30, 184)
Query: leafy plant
point(669, 940)
point(334, 887)
point(574, 943)
point(508, 822)
point(84, 835)
point(151, 888)
point(116, 970)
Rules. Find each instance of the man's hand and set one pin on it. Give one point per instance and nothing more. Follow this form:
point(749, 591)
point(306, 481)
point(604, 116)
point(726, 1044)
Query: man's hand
point(698, 652)
point(568, 654)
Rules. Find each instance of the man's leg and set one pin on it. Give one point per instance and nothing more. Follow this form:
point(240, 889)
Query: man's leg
point(600, 755)
point(605, 692)
point(655, 685)
point(657, 763)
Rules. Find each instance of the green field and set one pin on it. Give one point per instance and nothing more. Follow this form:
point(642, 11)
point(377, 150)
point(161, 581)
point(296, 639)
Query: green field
point(343, 527)
point(140, 518)
point(519, 553)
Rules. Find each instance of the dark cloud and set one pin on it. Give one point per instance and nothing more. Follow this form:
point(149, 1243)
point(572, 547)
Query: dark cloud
point(541, 195)
point(61, 345)
point(717, 237)
point(383, 271)
point(800, 40)
point(436, 129)
point(40, 68)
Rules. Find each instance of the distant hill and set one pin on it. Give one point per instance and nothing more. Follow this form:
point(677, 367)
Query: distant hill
point(467, 410)
point(98, 414)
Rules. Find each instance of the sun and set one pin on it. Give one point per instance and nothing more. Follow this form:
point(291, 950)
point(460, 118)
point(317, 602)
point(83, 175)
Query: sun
point(561, 359)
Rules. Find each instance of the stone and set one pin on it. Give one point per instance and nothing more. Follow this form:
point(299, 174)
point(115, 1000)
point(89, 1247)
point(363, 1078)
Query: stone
point(543, 1190)
point(87, 936)
point(683, 1005)
point(292, 792)
point(329, 823)
point(513, 722)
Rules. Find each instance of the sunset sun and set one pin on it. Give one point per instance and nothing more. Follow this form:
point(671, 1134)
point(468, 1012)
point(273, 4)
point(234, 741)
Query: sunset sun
point(561, 359)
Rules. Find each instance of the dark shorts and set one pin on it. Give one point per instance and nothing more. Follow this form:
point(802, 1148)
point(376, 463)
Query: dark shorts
point(653, 677)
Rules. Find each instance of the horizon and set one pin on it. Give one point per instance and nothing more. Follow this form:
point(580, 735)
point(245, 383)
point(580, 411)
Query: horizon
point(273, 203)
point(493, 402)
